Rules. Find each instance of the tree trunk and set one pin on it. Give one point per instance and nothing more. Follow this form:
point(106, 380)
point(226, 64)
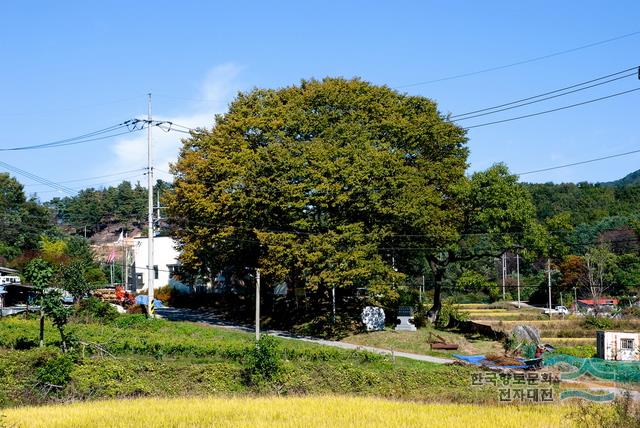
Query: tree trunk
point(41, 327)
point(438, 274)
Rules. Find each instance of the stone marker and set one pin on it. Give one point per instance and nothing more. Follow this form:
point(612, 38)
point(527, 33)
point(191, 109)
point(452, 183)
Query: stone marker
point(405, 314)
point(373, 318)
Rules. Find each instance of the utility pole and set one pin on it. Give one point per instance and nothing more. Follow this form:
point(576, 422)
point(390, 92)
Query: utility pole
point(257, 304)
point(333, 300)
point(504, 275)
point(150, 269)
point(421, 290)
point(518, 275)
point(549, 283)
point(575, 296)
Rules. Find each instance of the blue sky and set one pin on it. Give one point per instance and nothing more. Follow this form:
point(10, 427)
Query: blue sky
point(75, 67)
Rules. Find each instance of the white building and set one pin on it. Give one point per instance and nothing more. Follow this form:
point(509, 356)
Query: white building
point(165, 261)
point(618, 345)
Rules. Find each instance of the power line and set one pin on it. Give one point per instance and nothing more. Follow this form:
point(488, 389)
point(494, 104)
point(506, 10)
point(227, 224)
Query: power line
point(39, 179)
point(553, 110)
point(579, 163)
point(526, 61)
point(94, 177)
point(539, 98)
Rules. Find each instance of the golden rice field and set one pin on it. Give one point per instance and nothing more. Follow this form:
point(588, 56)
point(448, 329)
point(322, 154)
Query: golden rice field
point(324, 411)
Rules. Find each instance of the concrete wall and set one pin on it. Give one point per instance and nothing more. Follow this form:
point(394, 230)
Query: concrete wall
point(611, 345)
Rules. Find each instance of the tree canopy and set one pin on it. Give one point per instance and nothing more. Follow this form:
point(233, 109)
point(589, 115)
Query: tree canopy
point(317, 183)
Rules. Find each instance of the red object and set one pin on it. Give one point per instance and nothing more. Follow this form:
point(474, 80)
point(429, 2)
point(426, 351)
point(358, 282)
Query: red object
point(601, 301)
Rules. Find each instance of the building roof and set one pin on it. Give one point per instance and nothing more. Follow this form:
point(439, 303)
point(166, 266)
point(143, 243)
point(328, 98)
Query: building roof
point(8, 271)
point(601, 301)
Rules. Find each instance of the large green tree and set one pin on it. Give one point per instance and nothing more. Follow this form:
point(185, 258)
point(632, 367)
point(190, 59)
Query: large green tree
point(318, 184)
point(490, 214)
point(22, 220)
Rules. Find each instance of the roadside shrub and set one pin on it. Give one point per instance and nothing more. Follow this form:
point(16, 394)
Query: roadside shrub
point(449, 314)
point(624, 413)
point(164, 294)
point(23, 343)
point(263, 362)
point(55, 372)
point(599, 323)
point(631, 312)
point(93, 309)
point(137, 309)
point(581, 351)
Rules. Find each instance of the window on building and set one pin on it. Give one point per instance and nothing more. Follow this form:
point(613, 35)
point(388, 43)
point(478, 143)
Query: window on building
point(174, 271)
point(626, 343)
point(155, 271)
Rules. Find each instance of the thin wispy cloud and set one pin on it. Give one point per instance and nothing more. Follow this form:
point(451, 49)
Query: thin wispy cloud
point(218, 88)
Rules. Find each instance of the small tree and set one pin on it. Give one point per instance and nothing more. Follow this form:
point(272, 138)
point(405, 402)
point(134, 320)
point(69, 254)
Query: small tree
point(58, 312)
point(599, 262)
point(39, 273)
point(72, 279)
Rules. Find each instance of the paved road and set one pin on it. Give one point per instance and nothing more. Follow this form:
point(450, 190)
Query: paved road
point(208, 317)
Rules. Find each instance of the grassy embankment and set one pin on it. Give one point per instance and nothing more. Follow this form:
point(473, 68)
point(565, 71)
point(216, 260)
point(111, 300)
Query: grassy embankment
point(132, 357)
point(325, 411)
point(418, 342)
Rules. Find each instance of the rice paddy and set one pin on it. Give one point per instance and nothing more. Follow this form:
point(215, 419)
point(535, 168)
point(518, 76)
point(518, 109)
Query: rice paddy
point(312, 412)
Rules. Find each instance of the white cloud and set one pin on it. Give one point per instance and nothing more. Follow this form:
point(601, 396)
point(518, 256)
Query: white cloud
point(217, 90)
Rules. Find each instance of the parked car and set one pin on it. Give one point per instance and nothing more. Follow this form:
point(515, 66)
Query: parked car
point(558, 310)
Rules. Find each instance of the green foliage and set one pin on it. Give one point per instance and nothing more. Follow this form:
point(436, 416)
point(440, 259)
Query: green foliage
point(450, 314)
point(58, 312)
point(39, 273)
point(95, 209)
point(72, 279)
point(94, 310)
point(309, 182)
point(581, 351)
point(263, 362)
point(624, 413)
point(56, 371)
point(23, 220)
point(598, 323)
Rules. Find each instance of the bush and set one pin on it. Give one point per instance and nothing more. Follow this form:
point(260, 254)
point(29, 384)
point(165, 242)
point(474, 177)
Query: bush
point(23, 343)
point(599, 323)
point(93, 309)
point(56, 371)
point(449, 314)
point(263, 361)
point(581, 351)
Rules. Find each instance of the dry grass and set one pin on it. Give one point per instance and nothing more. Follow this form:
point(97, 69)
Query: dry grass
point(418, 342)
point(327, 411)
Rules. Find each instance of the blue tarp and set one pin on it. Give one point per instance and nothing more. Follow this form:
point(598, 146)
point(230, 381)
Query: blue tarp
point(481, 360)
point(142, 299)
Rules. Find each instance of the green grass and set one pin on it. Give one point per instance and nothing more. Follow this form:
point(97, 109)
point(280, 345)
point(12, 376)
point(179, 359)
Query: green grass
point(134, 357)
point(418, 342)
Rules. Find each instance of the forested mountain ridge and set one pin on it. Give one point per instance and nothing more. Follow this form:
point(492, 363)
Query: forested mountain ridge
point(587, 202)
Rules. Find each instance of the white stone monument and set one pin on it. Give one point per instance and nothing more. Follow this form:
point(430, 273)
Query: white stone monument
point(405, 315)
point(373, 318)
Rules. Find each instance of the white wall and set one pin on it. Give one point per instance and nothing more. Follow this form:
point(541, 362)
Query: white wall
point(164, 255)
point(609, 345)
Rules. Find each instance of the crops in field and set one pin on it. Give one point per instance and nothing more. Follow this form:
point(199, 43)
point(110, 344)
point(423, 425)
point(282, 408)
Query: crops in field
point(324, 411)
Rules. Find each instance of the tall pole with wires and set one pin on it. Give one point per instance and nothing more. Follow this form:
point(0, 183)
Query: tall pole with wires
point(150, 266)
point(518, 275)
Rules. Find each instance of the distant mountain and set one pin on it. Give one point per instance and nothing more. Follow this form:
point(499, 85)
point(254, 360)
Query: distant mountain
point(630, 179)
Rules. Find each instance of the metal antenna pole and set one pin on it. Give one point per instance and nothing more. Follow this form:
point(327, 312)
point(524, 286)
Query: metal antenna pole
point(150, 266)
